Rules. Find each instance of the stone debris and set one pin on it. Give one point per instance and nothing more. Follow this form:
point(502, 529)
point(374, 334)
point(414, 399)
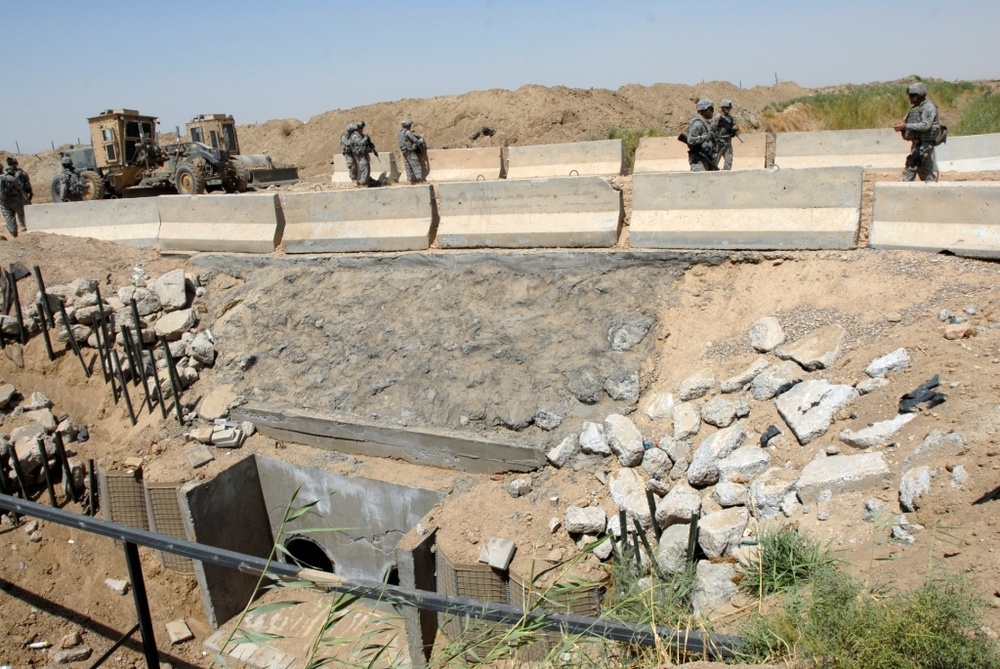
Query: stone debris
point(818, 350)
point(743, 379)
point(809, 407)
point(890, 362)
point(70, 655)
point(659, 406)
point(870, 385)
point(687, 420)
point(562, 452)
point(628, 493)
point(198, 456)
point(592, 439)
point(624, 334)
point(498, 553)
point(179, 632)
point(766, 334)
point(671, 554)
point(720, 412)
point(624, 439)
point(842, 473)
point(715, 586)
point(876, 434)
point(696, 386)
point(518, 488)
point(720, 532)
point(937, 444)
point(116, 585)
point(585, 520)
point(913, 484)
point(703, 470)
point(775, 380)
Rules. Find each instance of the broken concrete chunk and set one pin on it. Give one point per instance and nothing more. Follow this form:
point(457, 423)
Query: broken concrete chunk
point(808, 408)
point(585, 520)
point(842, 473)
point(876, 434)
point(704, 470)
point(720, 532)
point(687, 420)
point(913, 484)
point(659, 406)
point(890, 362)
point(199, 456)
point(176, 323)
point(499, 553)
point(736, 383)
point(178, 631)
point(171, 290)
point(624, 439)
point(696, 385)
point(227, 437)
point(817, 350)
point(766, 334)
point(117, 585)
point(775, 380)
point(561, 453)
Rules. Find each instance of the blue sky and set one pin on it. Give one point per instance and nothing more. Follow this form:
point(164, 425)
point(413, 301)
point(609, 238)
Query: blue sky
point(260, 60)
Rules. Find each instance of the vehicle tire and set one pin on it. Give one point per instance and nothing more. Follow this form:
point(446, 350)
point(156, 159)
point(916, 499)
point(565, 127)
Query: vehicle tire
point(234, 177)
point(54, 189)
point(189, 179)
point(95, 185)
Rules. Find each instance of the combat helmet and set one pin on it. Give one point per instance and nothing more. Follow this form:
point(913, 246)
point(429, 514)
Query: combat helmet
point(406, 123)
point(916, 89)
point(726, 104)
point(66, 161)
point(705, 104)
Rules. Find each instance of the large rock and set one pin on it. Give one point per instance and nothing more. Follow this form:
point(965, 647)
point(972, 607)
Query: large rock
point(843, 473)
point(740, 381)
point(585, 520)
point(622, 385)
point(592, 439)
point(678, 506)
point(696, 385)
point(768, 491)
point(715, 586)
point(912, 485)
point(721, 412)
point(176, 323)
point(146, 302)
point(624, 439)
point(659, 406)
point(721, 532)
point(657, 463)
point(629, 494)
point(687, 420)
point(808, 408)
point(775, 380)
point(743, 464)
point(671, 553)
point(937, 444)
point(766, 334)
point(202, 349)
point(727, 494)
point(624, 334)
point(171, 290)
point(817, 350)
point(876, 434)
point(704, 470)
point(561, 453)
point(890, 362)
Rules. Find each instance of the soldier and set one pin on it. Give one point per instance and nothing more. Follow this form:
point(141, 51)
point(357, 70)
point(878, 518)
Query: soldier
point(724, 126)
point(921, 127)
point(15, 193)
point(345, 148)
point(412, 145)
point(70, 186)
point(362, 145)
point(701, 138)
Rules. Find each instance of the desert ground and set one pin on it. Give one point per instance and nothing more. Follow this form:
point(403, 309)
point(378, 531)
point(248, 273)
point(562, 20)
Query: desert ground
point(391, 329)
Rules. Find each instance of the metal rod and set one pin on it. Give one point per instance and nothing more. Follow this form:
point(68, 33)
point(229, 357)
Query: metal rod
point(102, 323)
point(159, 392)
point(140, 366)
point(623, 524)
point(657, 532)
point(15, 463)
point(137, 345)
point(129, 353)
point(141, 605)
point(46, 314)
point(72, 338)
point(45, 470)
point(100, 350)
point(717, 645)
point(118, 644)
point(124, 387)
point(692, 538)
point(22, 331)
point(175, 382)
point(91, 488)
point(67, 470)
point(642, 535)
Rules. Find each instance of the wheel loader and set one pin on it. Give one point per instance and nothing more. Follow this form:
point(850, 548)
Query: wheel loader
point(219, 131)
point(125, 157)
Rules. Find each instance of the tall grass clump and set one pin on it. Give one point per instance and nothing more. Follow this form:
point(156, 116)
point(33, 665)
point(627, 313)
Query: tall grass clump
point(980, 117)
point(838, 623)
point(630, 143)
point(785, 559)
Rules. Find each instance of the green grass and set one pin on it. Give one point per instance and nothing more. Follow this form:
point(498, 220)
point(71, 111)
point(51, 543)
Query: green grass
point(785, 558)
point(979, 117)
point(630, 143)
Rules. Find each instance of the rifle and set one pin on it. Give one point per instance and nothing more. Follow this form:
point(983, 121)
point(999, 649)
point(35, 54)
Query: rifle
point(710, 162)
point(371, 147)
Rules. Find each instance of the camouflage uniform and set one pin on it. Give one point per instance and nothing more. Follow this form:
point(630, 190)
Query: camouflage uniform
point(724, 126)
point(348, 151)
point(15, 192)
point(922, 127)
point(701, 141)
point(361, 145)
point(70, 186)
point(411, 145)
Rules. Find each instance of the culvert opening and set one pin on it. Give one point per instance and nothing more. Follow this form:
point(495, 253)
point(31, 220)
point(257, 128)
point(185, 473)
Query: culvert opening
point(305, 552)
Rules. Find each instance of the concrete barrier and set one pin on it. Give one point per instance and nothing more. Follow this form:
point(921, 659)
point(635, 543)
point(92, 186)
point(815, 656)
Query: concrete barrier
point(969, 153)
point(666, 154)
point(242, 223)
point(135, 222)
point(383, 169)
point(576, 159)
point(874, 149)
point(574, 212)
point(752, 209)
point(365, 219)
point(485, 164)
point(960, 217)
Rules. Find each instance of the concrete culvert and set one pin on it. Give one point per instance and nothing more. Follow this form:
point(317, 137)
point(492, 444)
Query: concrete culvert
point(306, 552)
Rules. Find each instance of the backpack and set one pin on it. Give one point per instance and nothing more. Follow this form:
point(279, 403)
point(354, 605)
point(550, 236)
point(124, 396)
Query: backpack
point(9, 187)
point(942, 135)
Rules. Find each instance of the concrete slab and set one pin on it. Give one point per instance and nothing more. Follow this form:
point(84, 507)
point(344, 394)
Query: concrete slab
point(485, 164)
point(750, 209)
point(666, 154)
point(572, 212)
point(875, 149)
point(241, 223)
point(383, 169)
point(969, 153)
point(134, 221)
point(363, 219)
point(574, 159)
point(960, 217)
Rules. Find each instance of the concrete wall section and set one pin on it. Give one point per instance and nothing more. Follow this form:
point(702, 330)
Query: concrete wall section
point(574, 212)
point(133, 221)
point(753, 209)
point(227, 512)
point(969, 153)
point(485, 164)
point(383, 169)
point(577, 159)
point(960, 217)
point(875, 149)
point(370, 516)
point(666, 154)
point(365, 219)
point(240, 223)
point(416, 564)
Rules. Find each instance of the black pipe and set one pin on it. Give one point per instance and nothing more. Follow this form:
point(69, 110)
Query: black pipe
point(623, 524)
point(657, 532)
point(141, 605)
point(127, 346)
point(156, 387)
point(175, 382)
point(67, 470)
point(22, 331)
point(46, 313)
point(140, 368)
point(45, 470)
point(124, 387)
point(692, 538)
point(137, 345)
point(72, 338)
point(100, 350)
point(102, 323)
point(15, 463)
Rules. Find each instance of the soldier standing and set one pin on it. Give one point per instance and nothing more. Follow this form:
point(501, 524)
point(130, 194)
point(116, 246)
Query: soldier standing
point(348, 151)
point(921, 127)
point(362, 145)
point(412, 145)
point(724, 126)
point(701, 138)
point(70, 186)
point(15, 193)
